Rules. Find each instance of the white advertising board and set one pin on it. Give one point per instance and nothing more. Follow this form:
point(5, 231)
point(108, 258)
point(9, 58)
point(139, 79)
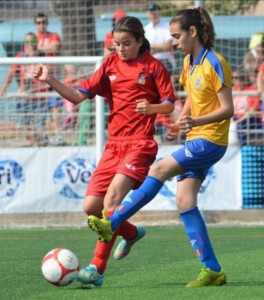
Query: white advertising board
point(55, 180)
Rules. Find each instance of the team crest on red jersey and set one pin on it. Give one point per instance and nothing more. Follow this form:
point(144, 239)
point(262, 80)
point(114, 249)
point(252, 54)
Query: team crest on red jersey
point(142, 78)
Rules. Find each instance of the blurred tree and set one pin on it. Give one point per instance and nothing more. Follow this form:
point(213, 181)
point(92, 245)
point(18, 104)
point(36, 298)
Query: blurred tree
point(230, 7)
point(78, 26)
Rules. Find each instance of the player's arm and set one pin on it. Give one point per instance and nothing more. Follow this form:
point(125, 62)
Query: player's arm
point(145, 108)
point(52, 47)
point(174, 128)
point(166, 46)
point(225, 111)
point(41, 73)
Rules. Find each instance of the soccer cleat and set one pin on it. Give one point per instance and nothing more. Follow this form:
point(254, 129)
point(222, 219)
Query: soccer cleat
point(125, 246)
point(207, 277)
point(102, 227)
point(90, 275)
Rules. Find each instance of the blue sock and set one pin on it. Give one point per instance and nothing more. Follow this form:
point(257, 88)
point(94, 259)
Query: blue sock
point(139, 198)
point(198, 236)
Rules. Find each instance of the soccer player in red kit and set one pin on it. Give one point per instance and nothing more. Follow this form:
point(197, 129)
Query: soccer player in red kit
point(137, 87)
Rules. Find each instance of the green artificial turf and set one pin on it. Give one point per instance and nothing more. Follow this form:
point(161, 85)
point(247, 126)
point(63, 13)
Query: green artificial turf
point(158, 268)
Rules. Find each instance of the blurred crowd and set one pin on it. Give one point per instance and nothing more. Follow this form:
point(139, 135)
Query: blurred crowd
point(248, 85)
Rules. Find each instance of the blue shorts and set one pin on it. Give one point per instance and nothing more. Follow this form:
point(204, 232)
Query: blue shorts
point(55, 102)
point(197, 156)
point(32, 113)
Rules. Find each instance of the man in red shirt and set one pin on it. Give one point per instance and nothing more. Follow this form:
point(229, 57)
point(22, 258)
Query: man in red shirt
point(50, 44)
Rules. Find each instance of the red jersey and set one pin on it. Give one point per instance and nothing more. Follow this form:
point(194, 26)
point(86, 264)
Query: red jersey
point(46, 38)
point(122, 83)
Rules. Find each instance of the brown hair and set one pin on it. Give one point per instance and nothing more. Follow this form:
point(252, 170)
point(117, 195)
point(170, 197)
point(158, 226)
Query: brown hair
point(200, 19)
point(40, 15)
point(135, 27)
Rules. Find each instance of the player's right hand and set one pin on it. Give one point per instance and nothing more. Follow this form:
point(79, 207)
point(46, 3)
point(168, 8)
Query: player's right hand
point(172, 130)
point(40, 72)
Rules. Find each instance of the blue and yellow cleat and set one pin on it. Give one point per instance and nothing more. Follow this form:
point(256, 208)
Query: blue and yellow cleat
point(125, 246)
point(89, 275)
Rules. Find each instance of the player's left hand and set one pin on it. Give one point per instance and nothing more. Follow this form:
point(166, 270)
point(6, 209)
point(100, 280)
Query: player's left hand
point(143, 107)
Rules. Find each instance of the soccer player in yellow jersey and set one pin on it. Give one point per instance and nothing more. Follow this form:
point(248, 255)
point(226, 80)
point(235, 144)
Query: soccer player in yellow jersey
point(205, 119)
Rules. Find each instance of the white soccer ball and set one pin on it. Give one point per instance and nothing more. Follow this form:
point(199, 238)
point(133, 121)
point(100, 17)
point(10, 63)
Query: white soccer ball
point(60, 267)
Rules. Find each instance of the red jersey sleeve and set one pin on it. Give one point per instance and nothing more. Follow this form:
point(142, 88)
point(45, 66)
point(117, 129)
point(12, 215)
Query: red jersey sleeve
point(164, 84)
point(96, 84)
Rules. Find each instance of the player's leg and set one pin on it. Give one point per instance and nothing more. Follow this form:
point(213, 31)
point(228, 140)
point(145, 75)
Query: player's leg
point(93, 204)
point(211, 273)
point(119, 188)
point(94, 272)
point(159, 172)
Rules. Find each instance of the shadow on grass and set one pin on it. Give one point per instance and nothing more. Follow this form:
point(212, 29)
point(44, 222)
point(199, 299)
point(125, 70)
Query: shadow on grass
point(246, 283)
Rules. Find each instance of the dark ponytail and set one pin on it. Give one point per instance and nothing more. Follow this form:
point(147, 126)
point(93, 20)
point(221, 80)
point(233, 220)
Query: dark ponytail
point(199, 18)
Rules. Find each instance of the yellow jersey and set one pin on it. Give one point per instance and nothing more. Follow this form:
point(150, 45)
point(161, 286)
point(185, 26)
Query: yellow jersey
point(202, 79)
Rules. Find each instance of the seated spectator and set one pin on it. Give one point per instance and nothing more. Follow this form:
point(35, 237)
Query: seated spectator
point(254, 57)
point(109, 47)
point(71, 78)
point(246, 108)
point(260, 89)
point(71, 109)
point(31, 112)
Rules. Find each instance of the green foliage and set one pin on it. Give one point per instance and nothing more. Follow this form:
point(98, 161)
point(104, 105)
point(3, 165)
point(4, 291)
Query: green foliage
point(224, 7)
point(158, 267)
point(230, 7)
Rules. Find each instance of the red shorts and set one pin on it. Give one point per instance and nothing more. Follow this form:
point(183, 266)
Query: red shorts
point(130, 157)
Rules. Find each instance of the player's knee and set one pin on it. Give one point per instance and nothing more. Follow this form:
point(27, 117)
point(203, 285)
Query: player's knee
point(93, 208)
point(157, 171)
point(184, 201)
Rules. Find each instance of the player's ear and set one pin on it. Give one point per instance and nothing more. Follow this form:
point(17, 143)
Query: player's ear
point(192, 31)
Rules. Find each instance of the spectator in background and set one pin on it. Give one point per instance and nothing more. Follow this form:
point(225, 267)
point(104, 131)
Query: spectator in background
point(50, 44)
point(31, 112)
point(245, 107)
point(109, 47)
point(253, 58)
point(260, 80)
point(260, 89)
point(71, 109)
point(162, 121)
point(158, 34)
